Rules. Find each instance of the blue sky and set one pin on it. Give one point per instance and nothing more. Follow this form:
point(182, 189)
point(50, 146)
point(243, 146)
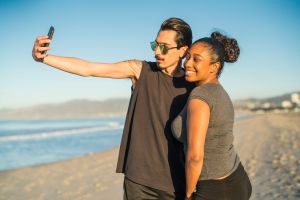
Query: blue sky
point(109, 31)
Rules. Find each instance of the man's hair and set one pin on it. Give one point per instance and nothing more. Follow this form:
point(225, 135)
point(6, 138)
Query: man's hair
point(184, 35)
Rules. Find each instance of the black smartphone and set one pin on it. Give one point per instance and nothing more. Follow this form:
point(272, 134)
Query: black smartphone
point(50, 35)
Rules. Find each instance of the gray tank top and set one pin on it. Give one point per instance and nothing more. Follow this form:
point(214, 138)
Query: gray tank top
point(220, 158)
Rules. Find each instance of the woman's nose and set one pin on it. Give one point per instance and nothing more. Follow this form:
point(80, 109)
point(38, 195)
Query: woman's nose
point(187, 63)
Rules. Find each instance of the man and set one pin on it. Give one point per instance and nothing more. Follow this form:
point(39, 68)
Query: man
point(149, 156)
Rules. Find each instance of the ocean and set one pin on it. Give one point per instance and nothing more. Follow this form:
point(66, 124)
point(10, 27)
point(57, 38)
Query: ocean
point(32, 142)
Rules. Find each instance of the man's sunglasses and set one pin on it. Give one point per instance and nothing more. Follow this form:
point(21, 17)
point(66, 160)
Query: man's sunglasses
point(162, 47)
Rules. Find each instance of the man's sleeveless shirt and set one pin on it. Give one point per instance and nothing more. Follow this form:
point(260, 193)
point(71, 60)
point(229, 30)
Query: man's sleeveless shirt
point(149, 154)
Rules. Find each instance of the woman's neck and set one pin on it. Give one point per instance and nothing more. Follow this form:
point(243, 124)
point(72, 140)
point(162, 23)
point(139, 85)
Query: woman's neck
point(212, 80)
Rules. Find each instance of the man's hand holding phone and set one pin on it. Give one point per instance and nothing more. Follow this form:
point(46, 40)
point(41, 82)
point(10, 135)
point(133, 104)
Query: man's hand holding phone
point(41, 45)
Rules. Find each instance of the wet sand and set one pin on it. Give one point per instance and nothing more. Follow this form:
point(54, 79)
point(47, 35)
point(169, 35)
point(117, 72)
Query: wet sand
point(89, 177)
point(267, 144)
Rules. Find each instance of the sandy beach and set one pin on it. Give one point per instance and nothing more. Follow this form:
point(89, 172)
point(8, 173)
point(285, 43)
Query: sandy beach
point(268, 145)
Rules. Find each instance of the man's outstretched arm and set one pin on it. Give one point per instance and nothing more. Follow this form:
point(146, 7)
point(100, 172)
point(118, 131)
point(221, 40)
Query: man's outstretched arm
point(124, 69)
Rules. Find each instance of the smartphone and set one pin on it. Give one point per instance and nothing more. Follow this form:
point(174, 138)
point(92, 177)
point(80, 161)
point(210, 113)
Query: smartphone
point(50, 35)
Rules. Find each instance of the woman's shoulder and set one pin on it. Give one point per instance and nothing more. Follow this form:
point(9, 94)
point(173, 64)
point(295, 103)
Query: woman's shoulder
point(208, 89)
point(209, 93)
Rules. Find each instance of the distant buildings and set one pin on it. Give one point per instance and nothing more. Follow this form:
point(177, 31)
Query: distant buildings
point(286, 103)
point(295, 98)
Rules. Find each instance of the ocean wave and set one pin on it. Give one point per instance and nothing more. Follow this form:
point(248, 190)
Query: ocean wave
point(45, 124)
point(60, 133)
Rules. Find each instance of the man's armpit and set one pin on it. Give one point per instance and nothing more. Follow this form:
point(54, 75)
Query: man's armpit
point(136, 66)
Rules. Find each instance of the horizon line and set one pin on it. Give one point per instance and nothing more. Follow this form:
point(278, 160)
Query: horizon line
point(122, 97)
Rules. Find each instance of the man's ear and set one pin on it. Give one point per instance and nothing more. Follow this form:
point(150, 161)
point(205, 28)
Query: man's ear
point(183, 51)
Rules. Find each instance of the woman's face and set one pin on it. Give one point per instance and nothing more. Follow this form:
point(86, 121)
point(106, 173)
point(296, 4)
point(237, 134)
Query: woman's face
point(198, 67)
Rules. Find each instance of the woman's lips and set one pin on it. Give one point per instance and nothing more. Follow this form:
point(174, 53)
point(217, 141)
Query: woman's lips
point(189, 72)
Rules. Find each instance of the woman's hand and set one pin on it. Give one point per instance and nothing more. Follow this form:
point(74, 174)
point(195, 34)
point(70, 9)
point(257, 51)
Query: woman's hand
point(39, 48)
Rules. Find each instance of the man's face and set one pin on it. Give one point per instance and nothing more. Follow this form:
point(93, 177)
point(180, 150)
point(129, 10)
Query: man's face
point(173, 56)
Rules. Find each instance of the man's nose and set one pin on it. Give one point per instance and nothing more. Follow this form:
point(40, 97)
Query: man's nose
point(157, 50)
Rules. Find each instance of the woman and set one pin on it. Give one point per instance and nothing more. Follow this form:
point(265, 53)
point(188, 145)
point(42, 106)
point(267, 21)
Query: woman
point(205, 126)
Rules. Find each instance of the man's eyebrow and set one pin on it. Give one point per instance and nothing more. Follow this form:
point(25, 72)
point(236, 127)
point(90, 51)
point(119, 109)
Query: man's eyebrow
point(162, 43)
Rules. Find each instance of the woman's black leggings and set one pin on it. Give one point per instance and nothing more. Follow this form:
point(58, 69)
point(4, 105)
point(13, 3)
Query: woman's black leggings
point(236, 186)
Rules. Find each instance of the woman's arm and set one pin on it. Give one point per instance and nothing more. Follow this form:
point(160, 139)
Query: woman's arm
point(197, 125)
point(125, 69)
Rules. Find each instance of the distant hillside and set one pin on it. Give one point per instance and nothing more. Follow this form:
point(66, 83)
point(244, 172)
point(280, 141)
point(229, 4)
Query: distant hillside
point(110, 107)
point(70, 109)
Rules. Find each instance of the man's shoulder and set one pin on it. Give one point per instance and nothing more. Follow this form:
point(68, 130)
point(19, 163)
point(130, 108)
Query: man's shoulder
point(150, 66)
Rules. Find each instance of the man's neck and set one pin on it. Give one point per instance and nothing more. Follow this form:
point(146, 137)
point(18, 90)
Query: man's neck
point(175, 71)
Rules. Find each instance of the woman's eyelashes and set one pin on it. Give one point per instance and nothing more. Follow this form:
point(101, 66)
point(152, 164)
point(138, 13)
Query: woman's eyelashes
point(195, 58)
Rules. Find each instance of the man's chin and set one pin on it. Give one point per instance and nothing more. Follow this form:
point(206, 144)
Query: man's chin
point(160, 65)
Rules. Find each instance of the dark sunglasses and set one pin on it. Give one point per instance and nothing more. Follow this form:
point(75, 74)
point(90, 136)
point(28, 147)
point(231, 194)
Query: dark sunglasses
point(162, 47)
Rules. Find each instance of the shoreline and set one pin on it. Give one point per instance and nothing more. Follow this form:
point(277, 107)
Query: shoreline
point(85, 177)
point(32, 159)
point(105, 151)
point(267, 145)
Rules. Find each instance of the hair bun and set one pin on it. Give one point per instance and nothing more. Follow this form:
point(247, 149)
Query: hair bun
point(231, 47)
